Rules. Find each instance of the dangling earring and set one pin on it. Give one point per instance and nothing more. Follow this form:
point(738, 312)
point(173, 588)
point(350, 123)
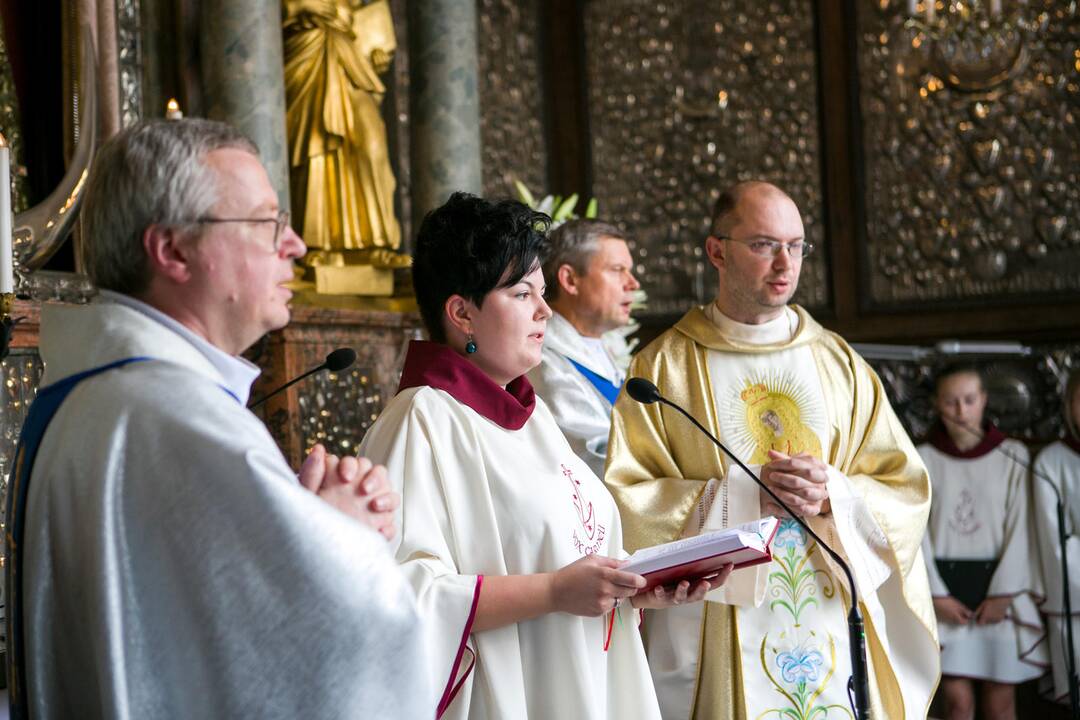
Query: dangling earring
point(470, 346)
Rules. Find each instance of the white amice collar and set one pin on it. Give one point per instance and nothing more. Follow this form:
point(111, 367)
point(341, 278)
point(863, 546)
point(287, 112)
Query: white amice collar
point(780, 329)
point(237, 373)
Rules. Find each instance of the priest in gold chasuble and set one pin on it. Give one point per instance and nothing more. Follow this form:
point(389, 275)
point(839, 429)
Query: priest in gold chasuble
point(797, 402)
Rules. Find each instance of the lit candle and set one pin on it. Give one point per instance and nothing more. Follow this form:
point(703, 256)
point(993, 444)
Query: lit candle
point(995, 8)
point(931, 10)
point(172, 110)
point(912, 7)
point(7, 274)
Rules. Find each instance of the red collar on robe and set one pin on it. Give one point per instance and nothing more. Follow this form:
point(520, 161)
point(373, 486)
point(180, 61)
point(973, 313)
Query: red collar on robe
point(939, 438)
point(435, 365)
point(1072, 442)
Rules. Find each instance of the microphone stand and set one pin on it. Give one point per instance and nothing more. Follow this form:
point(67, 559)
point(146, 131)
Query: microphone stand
point(859, 682)
point(1066, 592)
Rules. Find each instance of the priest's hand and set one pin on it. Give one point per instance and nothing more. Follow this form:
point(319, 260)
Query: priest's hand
point(950, 610)
point(992, 610)
point(660, 597)
point(799, 480)
point(354, 486)
point(592, 586)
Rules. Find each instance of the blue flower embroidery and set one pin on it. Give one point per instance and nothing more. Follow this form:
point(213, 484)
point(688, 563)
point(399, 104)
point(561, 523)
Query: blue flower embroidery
point(789, 535)
point(800, 664)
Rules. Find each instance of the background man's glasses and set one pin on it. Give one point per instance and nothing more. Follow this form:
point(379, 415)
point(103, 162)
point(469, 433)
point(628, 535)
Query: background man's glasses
point(280, 223)
point(771, 248)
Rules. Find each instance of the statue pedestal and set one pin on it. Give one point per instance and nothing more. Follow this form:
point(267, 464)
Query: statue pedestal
point(333, 409)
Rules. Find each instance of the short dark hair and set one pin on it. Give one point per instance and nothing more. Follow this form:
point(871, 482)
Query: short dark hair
point(470, 246)
point(574, 243)
point(959, 368)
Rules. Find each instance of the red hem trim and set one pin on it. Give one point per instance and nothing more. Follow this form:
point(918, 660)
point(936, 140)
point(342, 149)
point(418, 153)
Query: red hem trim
point(451, 690)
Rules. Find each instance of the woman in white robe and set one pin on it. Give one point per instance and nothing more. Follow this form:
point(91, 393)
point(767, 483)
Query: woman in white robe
point(509, 540)
point(1059, 463)
point(981, 554)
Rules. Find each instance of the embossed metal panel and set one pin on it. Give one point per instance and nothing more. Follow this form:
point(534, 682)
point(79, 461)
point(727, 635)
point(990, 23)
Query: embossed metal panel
point(971, 154)
point(686, 98)
point(513, 145)
point(1024, 392)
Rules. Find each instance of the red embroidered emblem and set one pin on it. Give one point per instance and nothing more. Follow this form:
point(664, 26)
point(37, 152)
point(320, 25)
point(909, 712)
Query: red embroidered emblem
point(594, 531)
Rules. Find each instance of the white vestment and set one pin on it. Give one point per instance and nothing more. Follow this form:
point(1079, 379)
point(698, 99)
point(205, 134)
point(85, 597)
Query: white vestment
point(580, 409)
point(981, 511)
point(481, 499)
point(173, 565)
point(1059, 463)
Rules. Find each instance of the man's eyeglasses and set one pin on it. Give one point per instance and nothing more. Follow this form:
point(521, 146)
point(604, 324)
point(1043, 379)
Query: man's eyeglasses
point(280, 223)
point(771, 248)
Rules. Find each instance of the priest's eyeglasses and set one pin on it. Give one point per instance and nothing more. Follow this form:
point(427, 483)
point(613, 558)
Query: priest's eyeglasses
point(280, 223)
point(771, 248)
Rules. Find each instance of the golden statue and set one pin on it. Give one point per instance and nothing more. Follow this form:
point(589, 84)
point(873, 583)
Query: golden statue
point(340, 178)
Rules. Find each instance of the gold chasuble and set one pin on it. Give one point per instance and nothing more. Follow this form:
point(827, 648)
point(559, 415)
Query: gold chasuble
point(772, 642)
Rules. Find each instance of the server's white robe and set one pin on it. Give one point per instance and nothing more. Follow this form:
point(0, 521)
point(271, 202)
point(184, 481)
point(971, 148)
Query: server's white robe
point(480, 499)
point(1059, 463)
point(173, 565)
point(580, 410)
point(981, 511)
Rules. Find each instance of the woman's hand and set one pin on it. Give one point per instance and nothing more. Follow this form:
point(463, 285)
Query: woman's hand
point(992, 610)
point(658, 597)
point(592, 585)
point(952, 611)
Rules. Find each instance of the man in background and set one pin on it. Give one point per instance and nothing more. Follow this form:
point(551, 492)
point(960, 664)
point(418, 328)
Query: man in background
point(590, 288)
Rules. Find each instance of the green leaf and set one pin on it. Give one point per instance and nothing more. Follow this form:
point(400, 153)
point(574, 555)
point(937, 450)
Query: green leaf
point(590, 209)
point(564, 210)
point(524, 194)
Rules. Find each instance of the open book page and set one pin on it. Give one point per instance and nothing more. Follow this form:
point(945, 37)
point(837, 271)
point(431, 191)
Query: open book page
point(703, 555)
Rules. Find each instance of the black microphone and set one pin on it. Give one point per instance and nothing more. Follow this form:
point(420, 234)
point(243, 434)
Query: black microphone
point(336, 361)
point(646, 393)
point(1063, 542)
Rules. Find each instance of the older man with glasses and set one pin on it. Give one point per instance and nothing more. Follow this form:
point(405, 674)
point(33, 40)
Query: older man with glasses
point(164, 560)
point(796, 401)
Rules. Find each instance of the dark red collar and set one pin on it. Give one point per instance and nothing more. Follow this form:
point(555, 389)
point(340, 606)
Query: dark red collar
point(1073, 442)
point(939, 438)
point(435, 365)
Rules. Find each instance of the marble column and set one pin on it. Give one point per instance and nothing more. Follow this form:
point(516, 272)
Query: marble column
point(243, 77)
point(444, 101)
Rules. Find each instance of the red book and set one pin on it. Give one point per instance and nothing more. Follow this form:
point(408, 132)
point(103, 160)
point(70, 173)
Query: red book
point(703, 556)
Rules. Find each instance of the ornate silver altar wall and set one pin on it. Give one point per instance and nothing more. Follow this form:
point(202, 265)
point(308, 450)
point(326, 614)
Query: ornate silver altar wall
point(971, 145)
point(686, 98)
point(511, 97)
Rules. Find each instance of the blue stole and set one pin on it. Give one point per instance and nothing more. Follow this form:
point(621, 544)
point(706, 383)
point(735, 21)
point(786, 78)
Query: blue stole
point(607, 388)
point(41, 413)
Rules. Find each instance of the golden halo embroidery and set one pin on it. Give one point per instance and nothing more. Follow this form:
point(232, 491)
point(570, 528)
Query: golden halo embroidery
point(771, 410)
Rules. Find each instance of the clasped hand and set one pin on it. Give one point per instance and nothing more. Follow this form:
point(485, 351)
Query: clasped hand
point(354, 486)
point(990, 611)
point(799, 480)
point(594, 585)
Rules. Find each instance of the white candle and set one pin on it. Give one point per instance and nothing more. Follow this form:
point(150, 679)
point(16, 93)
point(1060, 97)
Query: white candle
point(931, 10)
point(995, 8)
point(912, 7)
point(7, 275)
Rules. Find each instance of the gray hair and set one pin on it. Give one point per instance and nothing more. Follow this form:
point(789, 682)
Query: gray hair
point(573, 243)
point(153, 173)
